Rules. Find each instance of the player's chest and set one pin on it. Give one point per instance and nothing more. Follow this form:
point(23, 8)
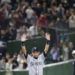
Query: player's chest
point(35, 62)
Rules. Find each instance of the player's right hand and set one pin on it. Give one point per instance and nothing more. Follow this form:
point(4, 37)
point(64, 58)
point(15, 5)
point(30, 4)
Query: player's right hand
point(47, 36)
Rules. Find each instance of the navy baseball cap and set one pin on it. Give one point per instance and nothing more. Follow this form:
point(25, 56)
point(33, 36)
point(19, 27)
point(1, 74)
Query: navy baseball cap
point(35, 49)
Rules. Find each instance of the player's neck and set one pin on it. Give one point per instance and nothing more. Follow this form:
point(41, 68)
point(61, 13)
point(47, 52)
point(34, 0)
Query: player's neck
point(36, 57)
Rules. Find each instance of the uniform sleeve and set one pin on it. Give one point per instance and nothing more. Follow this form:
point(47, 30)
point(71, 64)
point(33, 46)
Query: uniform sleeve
point(42, 56)
point(29, 57)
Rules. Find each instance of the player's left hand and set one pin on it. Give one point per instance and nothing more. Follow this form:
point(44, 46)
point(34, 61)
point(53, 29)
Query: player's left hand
point(47, 36)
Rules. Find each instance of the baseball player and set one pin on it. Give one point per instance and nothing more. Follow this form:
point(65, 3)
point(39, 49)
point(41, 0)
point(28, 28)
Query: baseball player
point(35, 60)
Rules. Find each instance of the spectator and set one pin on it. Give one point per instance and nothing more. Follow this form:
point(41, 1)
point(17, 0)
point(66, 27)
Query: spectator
point(33, 30)
point(29, 12)
point(44, 7)
point(25, 36)
point(65, 52)
point(22, 33)
point(2, 49)
point(5, 1)
point(61, 11)
point(12, 33)
point(22, 59)
point(38, 9)
point(8, 65)
point(2, 64)
point(8, 62)
point(15, 63)
point(42, 21)
point(71, 47)
point(72, 19)
point(54, 52)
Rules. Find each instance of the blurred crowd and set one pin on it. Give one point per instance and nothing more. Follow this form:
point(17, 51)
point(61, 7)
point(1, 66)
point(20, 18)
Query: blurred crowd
point(26, 19)
point(18, 61)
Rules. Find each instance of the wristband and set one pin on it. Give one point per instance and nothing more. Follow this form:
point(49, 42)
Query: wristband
point(48, 42)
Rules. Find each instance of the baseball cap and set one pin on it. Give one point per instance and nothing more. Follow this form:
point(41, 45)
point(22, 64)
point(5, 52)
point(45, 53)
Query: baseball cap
point(35, 49)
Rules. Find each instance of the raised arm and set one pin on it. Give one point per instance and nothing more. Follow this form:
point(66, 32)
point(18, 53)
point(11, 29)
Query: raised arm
point(48, 38)
point(24, 50)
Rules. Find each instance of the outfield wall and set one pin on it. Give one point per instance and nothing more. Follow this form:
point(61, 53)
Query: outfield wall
point(61, 68)
point(14, 73)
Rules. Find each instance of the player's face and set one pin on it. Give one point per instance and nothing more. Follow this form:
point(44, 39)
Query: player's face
point(35, 54)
